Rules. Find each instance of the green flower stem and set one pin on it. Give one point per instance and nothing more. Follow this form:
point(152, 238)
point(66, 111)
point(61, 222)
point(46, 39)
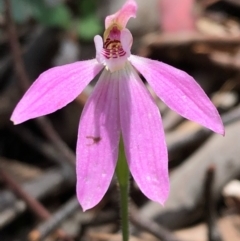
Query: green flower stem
point(122, 173)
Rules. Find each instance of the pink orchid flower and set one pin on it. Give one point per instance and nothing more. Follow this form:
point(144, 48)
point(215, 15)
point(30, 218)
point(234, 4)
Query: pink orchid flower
point(119, 105)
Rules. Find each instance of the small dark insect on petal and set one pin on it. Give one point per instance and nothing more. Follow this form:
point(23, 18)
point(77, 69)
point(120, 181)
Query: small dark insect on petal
point(95, 139)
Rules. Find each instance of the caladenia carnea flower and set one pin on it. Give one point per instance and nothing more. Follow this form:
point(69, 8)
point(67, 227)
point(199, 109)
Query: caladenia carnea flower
point(120, 105)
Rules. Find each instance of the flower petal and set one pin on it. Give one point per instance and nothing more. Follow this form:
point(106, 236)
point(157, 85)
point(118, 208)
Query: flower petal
point(180, 92)
point(98, 140)
point(98, 41)
point(126, 41)
point(143, 137)
point(117, 62)
point(122, 16)
point(54, 89)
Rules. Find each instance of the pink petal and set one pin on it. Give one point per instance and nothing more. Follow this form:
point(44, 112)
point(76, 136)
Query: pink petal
point(122, 16)
point(180, 92)
point(54, 89)
point(98, 140)
point(143, 137)
point(98, 41)
point(114, 64)
point(126, 40)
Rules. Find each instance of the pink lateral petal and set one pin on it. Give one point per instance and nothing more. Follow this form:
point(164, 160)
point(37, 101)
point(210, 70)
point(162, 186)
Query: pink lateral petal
point(54, 89)
point(180, 92)
point(122, 16)
point(98, 41)
point(98, 140)
point(126, 41)
point(143, 137)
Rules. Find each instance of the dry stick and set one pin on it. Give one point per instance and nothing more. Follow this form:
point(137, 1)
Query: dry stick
point(43, 123)
point(24, 82)
point(101, 218)
point(154, 40)
point(45, 228)
point(150, 226)
point(234, 2)
point(48, 226)
point(55, 139)
point(15, 47)
point(206, 3)
point(213, 232)
point(227, 118)
point(43, 147)
point(38, 188)
point(31, 202)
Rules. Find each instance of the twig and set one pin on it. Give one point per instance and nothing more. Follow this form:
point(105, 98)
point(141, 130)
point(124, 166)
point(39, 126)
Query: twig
point(150, 226)
point(233, 2)
point(24, 81)
point(231, 116)
point(213, 232)
point(39, 188)
point(45, 228)
point(206, 3)
point(43, 147)
point(15, 47)
point(32, 203)
point(55, 139)
point(101, 218)
point(227, 118)
point(39, 210)
point(225, 60)
point(154, 40)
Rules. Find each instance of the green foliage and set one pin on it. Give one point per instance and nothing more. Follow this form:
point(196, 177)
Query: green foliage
point(88, 27)
point(21, 10)
point(58, 14)
point(87, 7)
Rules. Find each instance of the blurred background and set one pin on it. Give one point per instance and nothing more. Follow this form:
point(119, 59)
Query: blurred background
point(37, 158)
